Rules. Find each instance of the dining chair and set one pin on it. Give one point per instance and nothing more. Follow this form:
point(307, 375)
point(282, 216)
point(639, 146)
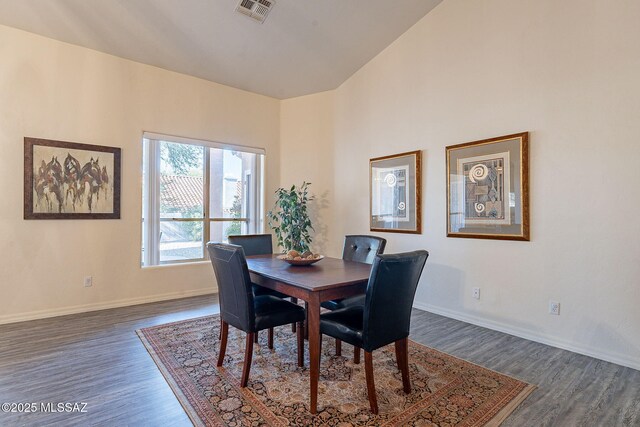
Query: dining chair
point(241, 309)
point(385, 316)
point(259, 244)
point(357, 248)
point(253, 244)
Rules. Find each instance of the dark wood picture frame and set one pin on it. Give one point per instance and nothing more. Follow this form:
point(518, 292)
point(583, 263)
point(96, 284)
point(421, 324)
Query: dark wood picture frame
point(403, 168)
point(65, 187)
point(499, 213)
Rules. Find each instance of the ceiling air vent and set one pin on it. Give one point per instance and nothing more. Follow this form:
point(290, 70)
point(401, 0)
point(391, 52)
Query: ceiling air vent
point(256, 9)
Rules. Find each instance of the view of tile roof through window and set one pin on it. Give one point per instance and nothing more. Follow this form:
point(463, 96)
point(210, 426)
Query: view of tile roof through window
point(180, 191)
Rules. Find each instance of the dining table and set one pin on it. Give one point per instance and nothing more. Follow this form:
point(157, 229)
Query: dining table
point(328, 279)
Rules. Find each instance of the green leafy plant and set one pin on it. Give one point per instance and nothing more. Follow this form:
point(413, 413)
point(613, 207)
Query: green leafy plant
point(182, 158)
point(289, 218)
point(236, 210)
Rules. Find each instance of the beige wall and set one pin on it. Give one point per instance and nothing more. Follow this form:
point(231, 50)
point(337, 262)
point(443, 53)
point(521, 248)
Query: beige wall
point(306, 148)
point(54, 90)
point(565, 71)
point(568, 73)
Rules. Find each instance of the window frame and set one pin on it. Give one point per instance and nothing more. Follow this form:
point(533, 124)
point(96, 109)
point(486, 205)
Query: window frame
point(151, 177)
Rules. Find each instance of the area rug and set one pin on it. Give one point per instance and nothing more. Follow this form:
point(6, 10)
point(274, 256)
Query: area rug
point(446, 391)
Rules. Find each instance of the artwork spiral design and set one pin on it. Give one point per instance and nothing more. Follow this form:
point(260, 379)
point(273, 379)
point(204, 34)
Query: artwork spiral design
point(390, 179)
point(479, 207)
point(478, 173)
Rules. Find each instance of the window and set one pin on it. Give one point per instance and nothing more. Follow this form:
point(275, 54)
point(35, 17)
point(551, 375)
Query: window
point(194, 192)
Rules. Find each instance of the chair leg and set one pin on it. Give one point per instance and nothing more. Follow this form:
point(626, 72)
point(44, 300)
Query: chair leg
point(270, 341)
point(402, 357)
point(255, 337)
point(338, 347)
point(248, 354)
point(398, 354)
point(306, 322)
point(220, 332)
point(300, 336)
point(293, 325)
point(356, 355)
point(224, 332)
point(371, 387)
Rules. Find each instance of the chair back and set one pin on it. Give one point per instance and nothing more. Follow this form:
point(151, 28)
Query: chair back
point(364, 249)
point(253, 244)
point(389, 298)
point(234, 285)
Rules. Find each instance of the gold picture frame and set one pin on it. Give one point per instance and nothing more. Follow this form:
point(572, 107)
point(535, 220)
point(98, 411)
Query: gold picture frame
point(395, 190)
point(488, 188)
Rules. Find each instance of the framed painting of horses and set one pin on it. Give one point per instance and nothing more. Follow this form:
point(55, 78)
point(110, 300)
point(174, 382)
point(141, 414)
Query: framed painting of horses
point(67, 180)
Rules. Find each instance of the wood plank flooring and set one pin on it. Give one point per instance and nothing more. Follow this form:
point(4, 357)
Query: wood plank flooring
point(98, 359)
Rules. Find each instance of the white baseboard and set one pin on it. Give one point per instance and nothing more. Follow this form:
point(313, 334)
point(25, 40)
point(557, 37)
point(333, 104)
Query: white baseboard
point(43, 314)
point(619, 359)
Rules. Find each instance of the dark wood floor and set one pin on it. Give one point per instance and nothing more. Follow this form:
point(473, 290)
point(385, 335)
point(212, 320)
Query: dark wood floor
point(98, 359)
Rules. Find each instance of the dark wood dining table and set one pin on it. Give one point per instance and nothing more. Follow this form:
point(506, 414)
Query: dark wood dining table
point(330, 278)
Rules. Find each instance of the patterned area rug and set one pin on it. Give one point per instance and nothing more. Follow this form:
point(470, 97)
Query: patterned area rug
point(446, 391)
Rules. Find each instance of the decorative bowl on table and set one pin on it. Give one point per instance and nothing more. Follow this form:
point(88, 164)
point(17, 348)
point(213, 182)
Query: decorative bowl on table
point(295, 258)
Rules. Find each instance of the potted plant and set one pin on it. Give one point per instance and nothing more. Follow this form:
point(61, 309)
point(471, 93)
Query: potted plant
point(289, 218)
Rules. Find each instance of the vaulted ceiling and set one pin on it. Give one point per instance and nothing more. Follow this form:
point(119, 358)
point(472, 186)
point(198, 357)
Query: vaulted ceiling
point(304, 46)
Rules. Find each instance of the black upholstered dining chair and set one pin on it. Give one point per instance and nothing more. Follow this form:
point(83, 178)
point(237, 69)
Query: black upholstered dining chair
point(385, 316)
point(357, 248)
point(241, 309)
point(256, 244)
point(362, 248)
point(259, 244)
point(253, 244)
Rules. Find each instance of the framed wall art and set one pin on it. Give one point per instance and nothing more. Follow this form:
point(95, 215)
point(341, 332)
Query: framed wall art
point(488, 188)
point(394, 193)
point(67, 180)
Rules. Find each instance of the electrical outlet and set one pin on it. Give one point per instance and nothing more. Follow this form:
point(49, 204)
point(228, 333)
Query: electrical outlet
point(554, 308)
point(476, 293)
point(88, 281)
